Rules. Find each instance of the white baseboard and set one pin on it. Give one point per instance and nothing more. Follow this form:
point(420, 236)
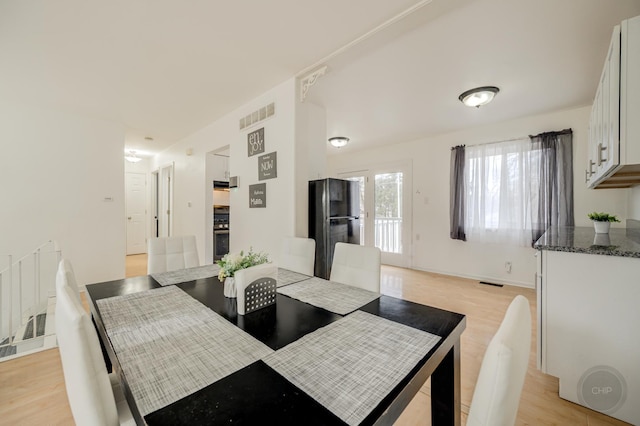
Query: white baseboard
point(479, 278)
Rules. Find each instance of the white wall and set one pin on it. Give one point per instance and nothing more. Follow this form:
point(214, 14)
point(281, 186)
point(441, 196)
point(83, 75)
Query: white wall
point(311, 158)
point(55, 171)
point(435, 251)
point(260, 228)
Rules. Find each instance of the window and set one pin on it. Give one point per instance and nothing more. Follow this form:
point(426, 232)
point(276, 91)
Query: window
point(511, 192)
point(498, 183)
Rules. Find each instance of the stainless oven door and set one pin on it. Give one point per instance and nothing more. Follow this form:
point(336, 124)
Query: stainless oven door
point(220, 243)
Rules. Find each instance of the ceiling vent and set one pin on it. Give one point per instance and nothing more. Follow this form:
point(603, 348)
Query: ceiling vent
point(258, 116)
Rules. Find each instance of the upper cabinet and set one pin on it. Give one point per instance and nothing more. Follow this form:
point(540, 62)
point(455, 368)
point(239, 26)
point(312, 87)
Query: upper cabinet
point(220, 168)
point(614, 128)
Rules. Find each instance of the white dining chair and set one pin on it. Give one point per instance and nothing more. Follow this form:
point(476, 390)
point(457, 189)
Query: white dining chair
point(256, 287)
point(497, 394)
point(357, 266)
point(90, 389)
point(298, 255)
point(171, 253)
point(66, 276)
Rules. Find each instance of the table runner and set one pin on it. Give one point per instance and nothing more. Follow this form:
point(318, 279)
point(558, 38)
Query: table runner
point(286, 277)
point(170, 345)
point(334, 297)
point(184, 275)
point(350, 365)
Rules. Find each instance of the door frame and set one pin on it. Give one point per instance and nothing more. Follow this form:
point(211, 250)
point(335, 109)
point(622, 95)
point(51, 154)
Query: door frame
point(162, 199)
point(405, 259)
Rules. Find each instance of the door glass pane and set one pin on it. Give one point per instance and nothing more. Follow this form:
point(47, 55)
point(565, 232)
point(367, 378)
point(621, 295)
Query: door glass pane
point(360, 180)
point(388, 212)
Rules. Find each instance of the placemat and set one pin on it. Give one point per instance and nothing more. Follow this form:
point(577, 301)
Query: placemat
point(286, 277)
point(170, 345)
point(334, 297)
point(350, 365)
point(184, 275)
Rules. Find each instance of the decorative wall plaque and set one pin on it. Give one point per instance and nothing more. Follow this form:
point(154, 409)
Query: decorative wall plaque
point(258, 195)
point(268, 166)
point(255, 142)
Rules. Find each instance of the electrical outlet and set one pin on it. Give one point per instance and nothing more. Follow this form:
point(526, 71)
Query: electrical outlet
point(507, 267)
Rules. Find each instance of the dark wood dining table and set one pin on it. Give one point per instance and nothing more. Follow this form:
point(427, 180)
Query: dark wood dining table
point(258, 394)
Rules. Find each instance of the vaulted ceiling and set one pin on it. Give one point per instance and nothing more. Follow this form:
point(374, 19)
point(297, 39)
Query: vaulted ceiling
point(166, 69)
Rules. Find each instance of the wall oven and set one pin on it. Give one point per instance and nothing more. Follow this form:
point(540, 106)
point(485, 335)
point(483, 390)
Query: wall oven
point(220, 243)
point(220, 232)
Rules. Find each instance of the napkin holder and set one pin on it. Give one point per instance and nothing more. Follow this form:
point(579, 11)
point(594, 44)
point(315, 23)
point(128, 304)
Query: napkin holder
point(256, 287)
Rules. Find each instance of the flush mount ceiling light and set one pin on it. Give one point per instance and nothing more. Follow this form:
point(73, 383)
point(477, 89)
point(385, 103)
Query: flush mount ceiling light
point(338, 141)
point(479, 96)
point(131, 157)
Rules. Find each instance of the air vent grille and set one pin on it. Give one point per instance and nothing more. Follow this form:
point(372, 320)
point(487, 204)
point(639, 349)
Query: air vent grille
point(258, 116)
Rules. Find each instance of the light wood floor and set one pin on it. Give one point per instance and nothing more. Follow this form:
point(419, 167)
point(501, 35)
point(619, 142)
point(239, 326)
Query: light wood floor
point(32, 387)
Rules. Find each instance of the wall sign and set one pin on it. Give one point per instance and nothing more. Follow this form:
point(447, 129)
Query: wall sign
point(255, 142)
point(268, 166)
point(258, 195)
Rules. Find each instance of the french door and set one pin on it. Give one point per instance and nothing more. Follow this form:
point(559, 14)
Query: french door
point(385, 210)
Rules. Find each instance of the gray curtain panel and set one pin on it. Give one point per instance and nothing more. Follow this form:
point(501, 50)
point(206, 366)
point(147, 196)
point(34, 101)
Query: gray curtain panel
point(553, 157)
point(457, 195)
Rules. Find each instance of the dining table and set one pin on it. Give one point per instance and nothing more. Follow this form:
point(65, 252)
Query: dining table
point(324, 353)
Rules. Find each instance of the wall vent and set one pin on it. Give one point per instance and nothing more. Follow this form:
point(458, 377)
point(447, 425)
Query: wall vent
point(257, 116)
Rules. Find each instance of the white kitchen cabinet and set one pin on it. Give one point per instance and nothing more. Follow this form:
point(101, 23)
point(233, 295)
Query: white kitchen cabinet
point(588, 319)
point(614, 133)
point(220, 168)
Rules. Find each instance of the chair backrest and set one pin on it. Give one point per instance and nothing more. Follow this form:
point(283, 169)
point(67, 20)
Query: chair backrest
point(171, 253)
point(66, 276)
point(298, 255)
point(85, 374)
point(497, 393)
point(256, 287)
point(356, 265)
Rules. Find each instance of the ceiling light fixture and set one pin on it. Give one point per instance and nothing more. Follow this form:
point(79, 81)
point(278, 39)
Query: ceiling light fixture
point(479, 96)
point(131, 157)
point(338, 141)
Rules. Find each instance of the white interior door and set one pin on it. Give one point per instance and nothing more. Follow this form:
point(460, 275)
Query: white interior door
point(386, 210)
point(136, 187)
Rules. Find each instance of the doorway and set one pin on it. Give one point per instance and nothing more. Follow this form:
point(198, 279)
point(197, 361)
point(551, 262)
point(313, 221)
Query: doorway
point(385, 206)
point(217, 203)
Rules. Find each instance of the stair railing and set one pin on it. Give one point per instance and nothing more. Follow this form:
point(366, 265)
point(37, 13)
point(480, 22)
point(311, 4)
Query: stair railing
point(25, 287)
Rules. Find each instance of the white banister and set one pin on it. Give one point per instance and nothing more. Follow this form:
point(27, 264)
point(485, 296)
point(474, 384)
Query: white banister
point(25, 287)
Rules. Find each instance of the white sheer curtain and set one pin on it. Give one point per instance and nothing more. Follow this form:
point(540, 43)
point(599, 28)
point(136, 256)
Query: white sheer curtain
point(498, 185)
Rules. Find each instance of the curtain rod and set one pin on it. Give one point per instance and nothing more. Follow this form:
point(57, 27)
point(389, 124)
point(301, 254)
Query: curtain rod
point(558, 133)
point(561, 132)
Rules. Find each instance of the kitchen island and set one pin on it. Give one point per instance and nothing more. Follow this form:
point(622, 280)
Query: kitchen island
point(588, 290)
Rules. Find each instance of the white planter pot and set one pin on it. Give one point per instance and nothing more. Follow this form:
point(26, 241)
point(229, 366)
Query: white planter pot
point(601, 227)
point(230, 287)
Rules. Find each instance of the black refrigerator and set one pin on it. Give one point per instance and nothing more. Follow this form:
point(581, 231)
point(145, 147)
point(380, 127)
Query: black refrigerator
point(334, 216)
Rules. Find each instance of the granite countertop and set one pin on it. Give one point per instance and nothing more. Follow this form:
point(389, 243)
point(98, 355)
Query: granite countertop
point(623, 242)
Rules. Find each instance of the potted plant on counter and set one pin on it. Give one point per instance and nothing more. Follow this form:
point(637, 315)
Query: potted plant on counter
point(602, 221)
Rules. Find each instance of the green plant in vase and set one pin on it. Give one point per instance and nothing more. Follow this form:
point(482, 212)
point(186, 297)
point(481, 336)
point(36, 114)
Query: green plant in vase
point(602, 221)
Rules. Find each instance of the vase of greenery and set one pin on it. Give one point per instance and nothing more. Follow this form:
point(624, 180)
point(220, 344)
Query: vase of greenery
point(233, 262)
point(602, 221)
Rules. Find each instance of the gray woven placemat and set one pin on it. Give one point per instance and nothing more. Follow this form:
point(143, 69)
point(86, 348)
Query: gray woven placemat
point(184, 275)
point(286, 277)
point(350, 365)
point(335, 297)
point(170, 345)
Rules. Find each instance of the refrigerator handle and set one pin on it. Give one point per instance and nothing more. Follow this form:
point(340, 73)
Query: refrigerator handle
point(343, 217)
